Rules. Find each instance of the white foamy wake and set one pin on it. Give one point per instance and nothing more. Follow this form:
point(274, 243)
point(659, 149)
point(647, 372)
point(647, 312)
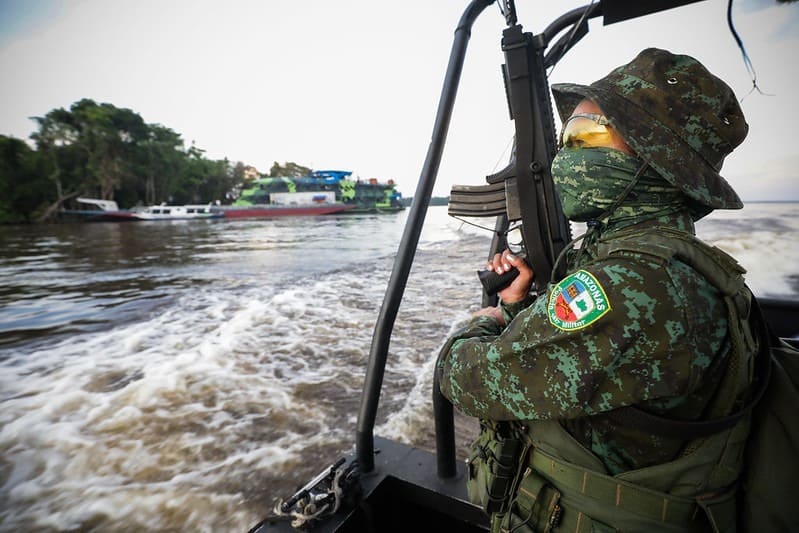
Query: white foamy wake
point(764, 239)
point(162, 423)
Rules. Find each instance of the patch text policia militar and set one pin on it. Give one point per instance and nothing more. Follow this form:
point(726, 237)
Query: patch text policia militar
point(577, 301)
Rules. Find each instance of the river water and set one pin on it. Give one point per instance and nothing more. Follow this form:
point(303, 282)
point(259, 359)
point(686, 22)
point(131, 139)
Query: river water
point(185, 375)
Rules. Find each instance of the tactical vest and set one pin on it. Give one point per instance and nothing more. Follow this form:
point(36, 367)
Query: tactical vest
point(558, 483)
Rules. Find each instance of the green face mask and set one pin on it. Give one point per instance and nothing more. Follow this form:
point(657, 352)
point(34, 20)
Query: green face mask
point(589, 180)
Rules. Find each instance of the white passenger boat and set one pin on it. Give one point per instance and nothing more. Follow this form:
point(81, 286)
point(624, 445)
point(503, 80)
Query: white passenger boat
point(176, 212)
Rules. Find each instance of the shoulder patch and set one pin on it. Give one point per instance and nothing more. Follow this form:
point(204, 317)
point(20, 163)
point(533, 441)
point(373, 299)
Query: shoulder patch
point(577, 301)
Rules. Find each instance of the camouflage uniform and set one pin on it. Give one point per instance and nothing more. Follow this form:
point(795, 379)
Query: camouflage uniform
point(622, 329)
point(657, 345)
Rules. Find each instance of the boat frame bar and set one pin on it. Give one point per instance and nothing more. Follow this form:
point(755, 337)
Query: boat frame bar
point(364, 436)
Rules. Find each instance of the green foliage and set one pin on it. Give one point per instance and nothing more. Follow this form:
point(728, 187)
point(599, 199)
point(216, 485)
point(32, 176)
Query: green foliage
point(289, 170)
point(24, 187)
point(102, 151)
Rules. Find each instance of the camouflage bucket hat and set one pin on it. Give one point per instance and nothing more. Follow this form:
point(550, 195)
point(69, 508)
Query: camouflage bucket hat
point(674, 114)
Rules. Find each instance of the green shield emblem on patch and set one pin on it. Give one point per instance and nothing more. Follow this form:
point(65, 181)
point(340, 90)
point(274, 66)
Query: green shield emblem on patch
point(577, 301)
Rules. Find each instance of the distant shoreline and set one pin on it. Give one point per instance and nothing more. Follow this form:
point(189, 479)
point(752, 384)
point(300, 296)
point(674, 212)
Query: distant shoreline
point(770, 201)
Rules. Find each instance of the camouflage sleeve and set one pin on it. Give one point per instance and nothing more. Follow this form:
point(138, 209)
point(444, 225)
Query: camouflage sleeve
point(509, 311)
point(616, 333)
point(479, 327)
point(486, 327)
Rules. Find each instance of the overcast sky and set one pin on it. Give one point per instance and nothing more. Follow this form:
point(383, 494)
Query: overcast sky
point(354, 84)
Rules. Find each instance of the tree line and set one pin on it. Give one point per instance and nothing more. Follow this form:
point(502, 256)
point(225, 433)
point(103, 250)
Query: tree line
point(101, 151)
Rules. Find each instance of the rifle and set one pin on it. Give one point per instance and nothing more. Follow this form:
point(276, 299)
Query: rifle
point(523, 191)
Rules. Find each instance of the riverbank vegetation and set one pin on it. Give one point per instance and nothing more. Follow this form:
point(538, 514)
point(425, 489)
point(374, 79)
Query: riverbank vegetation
point(101, 151)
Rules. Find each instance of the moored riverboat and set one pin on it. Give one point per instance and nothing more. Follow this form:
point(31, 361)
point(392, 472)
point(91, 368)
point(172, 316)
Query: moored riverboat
point(321, 188)
point(109, 211)
point(283, 210)
point(177, 212)
point(98, 211)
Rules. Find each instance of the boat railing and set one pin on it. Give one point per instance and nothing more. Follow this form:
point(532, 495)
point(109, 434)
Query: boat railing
point(364, 437)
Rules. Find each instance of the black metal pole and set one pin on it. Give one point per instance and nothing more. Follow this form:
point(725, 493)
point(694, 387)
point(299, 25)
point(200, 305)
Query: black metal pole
point(364, 437)
point(444, 419)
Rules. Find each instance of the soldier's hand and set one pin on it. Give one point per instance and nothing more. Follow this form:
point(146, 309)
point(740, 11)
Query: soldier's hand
point(519, 287)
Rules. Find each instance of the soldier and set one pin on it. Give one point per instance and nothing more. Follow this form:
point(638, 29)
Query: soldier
point(648, 320)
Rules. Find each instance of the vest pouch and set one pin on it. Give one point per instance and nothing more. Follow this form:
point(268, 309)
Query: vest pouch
point(493, 463)
point(539, 507)
point(535, 506)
